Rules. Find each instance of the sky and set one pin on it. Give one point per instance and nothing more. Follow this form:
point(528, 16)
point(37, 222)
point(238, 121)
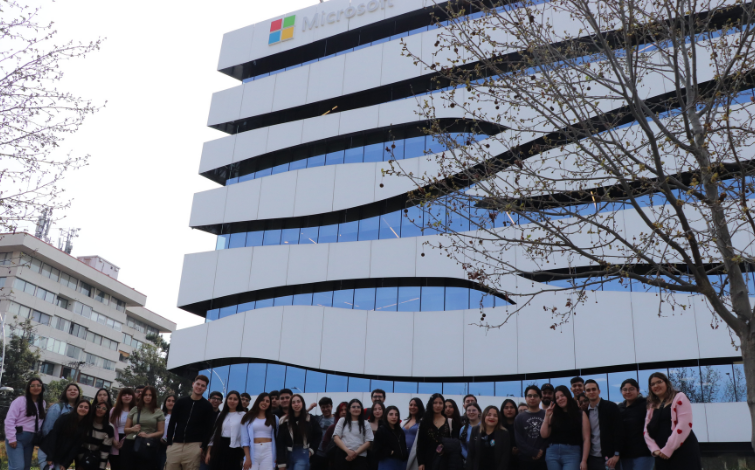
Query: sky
point(157, 70)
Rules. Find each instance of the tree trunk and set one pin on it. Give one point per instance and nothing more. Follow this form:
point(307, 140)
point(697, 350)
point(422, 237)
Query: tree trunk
point(748, 356)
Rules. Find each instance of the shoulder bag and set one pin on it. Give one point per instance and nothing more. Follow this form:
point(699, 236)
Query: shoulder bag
point(145, 448)
point(90, 459)
point(37, 439)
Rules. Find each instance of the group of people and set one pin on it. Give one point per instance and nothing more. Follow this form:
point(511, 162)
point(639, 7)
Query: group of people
point(557, 428)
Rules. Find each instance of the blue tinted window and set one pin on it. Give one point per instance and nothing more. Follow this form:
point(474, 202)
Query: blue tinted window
point(476, 297)
point(434, 145)
point(390, 225)
point(354, 155)
point(409, 299)
point(290, 236)
point(280, 168)
point(432, 299)
point(298, 165)
point(227, 311)
point(246, 307)
point(458, 217)
point(334, 158)
point(255, 379)
point(385, 299)
point(396, 150)
point(322, 299)
point(687, 380)
point(303, 299)
point(368, 228)
point(457, 298)
point(222, 242)
point(295, 379)
point(276, 377)
point(272, 237)
point(740, 390)
point(328, 234)
point(283, 301)
point(254, 238)
point(482, 388)
point(316, 161)
point(308, 235)
point(219, 381)
point(315, 382)
point(264, 303)
point(412, 222)
point(386, 385)
point(213, 314)
point(265, 172)
point(238, 240)
point(343, 298)
point(455, 388)
point(508, 389)
point(414, 147)
point(359, 385)
point(429, 387)
point(336, 383)
point(373, 153)
point(348, 231)
point(404, 387)
point(364, 299)
point(237, 378)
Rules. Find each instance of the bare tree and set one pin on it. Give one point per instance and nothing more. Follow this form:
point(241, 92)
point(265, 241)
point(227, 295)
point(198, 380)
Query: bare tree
point(35, 116)
point(623, 155)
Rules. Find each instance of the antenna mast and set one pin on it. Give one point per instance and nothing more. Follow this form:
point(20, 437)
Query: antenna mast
point(65, 243)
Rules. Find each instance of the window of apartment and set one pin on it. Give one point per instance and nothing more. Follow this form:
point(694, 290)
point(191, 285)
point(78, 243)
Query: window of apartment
point(100, 296)
point(67, 373)
point(141, 327)
point(122, 357)
point(20, 310)
point(119, 304)
point(50, 272)
point(47, 368)
point(5, 259)
point(60, 324)
point(45, 295)
point(85, 289)
point(61, 302)
point(36, 265)
point(68, 281)
point(74, 352)
point(77, 331)
point(40, 317)
point(83, 310)
point(2, 282)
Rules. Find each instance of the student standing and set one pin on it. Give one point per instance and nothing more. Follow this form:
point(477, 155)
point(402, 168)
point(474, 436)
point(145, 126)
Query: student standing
point(328, 444)
point(490, 444)
point(65, 438)
point(190, 427)
point(66, 404)
point(437, 441)
point(168, 404)
point(225, 448)
point(298, 436)
point(375, 420)
point(145, 421)
point(547, 391)
point(451, 410)
point(138, 393)
point(325, 420)
point(468, 399)
point(275, 401)
point(26, 416)
point(416, 412)
point(510, 411)
point(583, 401)
point(284, 401)
point(527, 426)
point(635, 454)
point(353, 437)
point(98, 438)
point(668, 426)
point(103, 396)
point(377, 396)
point(577, 386)
point(606, 429)
point(246, 399)
point(389, 445)
point(258, 430)
point(568, 430)
point(473, 414)
point(118, 417)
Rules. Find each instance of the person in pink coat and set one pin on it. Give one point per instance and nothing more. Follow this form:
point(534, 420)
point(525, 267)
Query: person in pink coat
point(25, 418)
point(668, 427)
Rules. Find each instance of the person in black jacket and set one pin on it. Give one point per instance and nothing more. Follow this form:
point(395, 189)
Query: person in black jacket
point(606, 429)
point(490, 443)
point(63, 442)
point(298, 436)
point(438, 444)
point(634, 451)
point(389, 445)
point(190, 428)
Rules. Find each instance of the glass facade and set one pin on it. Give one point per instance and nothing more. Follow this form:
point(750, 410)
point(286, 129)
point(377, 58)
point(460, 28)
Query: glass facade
point(705, 384)
point(384, 299)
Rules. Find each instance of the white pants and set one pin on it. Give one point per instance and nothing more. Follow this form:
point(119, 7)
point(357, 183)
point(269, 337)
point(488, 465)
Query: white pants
point(263, 456)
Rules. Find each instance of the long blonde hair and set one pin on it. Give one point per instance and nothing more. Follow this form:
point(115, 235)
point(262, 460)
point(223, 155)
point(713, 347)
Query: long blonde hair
point(654, 401)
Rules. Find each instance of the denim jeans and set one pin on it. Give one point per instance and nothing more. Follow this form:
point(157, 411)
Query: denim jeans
point(638, 463)
point(563, 457)
point(298, 459)
point(20, 457)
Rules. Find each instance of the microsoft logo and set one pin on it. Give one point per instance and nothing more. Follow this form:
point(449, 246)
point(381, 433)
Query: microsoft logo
point(282, 30)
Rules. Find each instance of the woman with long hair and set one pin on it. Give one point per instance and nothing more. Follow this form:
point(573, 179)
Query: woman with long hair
point(668, 427)
point(225, 450)
point(489, 446)
point(103, 396)
point(437, 439)
point(118, 416)
point(98, 438)
point(635, 454)
point(376, 418)
point(342, 410)
point(168, 403)
point(258, 430)
point(66, 404)
point(147, 421)
point(568, 429)
point(298, 436)
point(62, 444)
point(509, 410)
point(474, 416)
point(25, 418)
point(353, 437)
point(389, 446)
point(451, 410)
point(411, 426)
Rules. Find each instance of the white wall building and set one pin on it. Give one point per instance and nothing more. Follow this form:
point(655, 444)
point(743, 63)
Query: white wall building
point(86, 322)
point(319, 284)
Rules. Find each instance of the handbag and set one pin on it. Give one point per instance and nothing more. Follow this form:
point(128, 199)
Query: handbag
point(38, 437)
point(145, 448)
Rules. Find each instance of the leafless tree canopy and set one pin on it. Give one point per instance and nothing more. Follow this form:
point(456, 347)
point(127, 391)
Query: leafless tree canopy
point(35, 116)
point(623, 154)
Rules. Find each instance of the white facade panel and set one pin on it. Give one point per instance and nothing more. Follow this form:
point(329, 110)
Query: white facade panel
point(289, 91)
point(441, 334)
point(236, 48)
point(206, 207)
point(232, 274)
point(262, 333)
point(248, 193)
point(595, 318)
point(197, 277)
point(187, 346)
point(349, 261)
point(388, 349)
point(393, 258)
point(277, 196)
point(501, 342)
point(362, 69)
point(397, 65)
point(284, 136)
point(225, 106)
point(326, 79)
point(356, 120)
point(347, 353)
point(307, 264)
point(224, 339)
point(250, 144)
point(314, 190)
point(537, 341)
point(269, 267)
point(354, 185)
point(653, 321)
point(301, 336)
point(217, 153)
point(258, 96)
